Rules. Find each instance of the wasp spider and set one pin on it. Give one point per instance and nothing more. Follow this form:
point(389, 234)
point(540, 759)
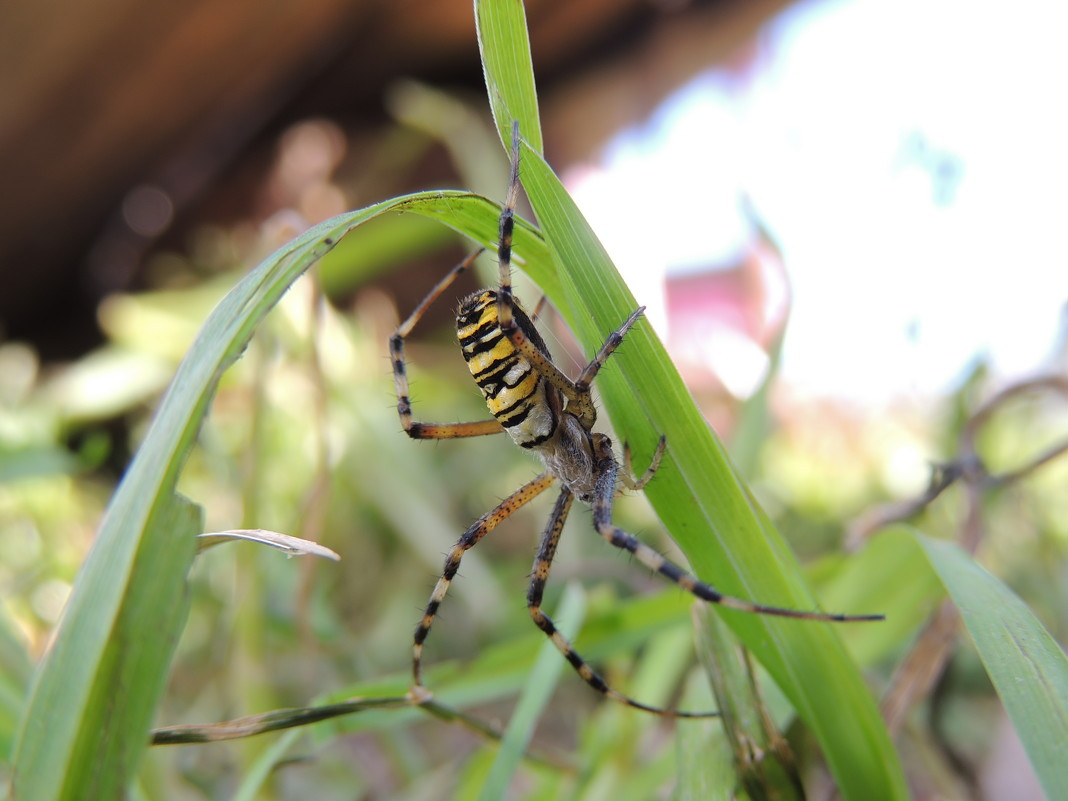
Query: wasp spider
point(550, 415)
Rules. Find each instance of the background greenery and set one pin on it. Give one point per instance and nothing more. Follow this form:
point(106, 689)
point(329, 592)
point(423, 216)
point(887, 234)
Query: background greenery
point(302, 437)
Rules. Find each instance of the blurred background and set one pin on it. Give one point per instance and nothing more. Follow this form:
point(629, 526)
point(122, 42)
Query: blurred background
point(844, 217)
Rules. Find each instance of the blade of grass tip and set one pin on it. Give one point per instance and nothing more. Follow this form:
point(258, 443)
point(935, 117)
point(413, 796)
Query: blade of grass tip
point(504, 45)
point(536, 693)
point(1028, 668)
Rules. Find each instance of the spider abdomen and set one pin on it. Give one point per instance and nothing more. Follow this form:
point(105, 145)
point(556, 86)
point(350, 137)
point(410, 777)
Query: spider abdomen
point(517, 395)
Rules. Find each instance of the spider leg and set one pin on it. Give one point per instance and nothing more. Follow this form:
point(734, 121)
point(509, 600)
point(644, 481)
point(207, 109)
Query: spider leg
point(414, 429)
point(505, 226)
point(505, 299)
point(602, 502)
point(539, 577)
point(633, 482)
point(468, 540)
point(589, 372)
point(580, 403)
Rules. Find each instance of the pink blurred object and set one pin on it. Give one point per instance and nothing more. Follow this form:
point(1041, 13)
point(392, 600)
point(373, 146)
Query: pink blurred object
point(723, 322)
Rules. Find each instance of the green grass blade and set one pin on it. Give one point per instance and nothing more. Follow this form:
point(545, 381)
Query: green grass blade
point(91, 700)
point(536, 694)
point(1026, 665)
point(697, 494)
point(16, 668)
point(763, 761)
point(505, 47)
point(83, 733)
point(705, 765)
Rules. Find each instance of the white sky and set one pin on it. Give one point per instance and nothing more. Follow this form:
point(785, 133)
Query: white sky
point(911, 158)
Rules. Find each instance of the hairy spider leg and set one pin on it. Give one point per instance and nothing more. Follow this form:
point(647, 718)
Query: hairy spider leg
point(414, 429)
point(538, 579)
point(468, 540)
point(603, 502)
point(579, 402)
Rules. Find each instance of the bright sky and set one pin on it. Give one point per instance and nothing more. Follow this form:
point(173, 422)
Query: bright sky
point(911, 159)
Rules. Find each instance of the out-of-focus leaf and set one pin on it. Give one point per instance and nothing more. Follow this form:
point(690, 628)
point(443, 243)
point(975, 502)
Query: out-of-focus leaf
point(1026, 665)
point(871, 579)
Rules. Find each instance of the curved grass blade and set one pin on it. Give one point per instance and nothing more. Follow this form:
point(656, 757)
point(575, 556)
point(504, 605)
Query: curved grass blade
point(275, 720)
point(91, 750)
point(697, 493)
point(85, 721)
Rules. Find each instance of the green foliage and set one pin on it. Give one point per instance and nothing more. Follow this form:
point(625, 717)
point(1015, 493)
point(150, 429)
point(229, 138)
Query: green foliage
point(303, 438)
point(1025, 663)
point(130, 592)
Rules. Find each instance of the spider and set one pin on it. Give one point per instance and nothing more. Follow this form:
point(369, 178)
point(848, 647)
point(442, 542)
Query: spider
point(548, 414)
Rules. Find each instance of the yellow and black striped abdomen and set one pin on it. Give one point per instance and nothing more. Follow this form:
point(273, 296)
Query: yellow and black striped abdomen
point(515, 393)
